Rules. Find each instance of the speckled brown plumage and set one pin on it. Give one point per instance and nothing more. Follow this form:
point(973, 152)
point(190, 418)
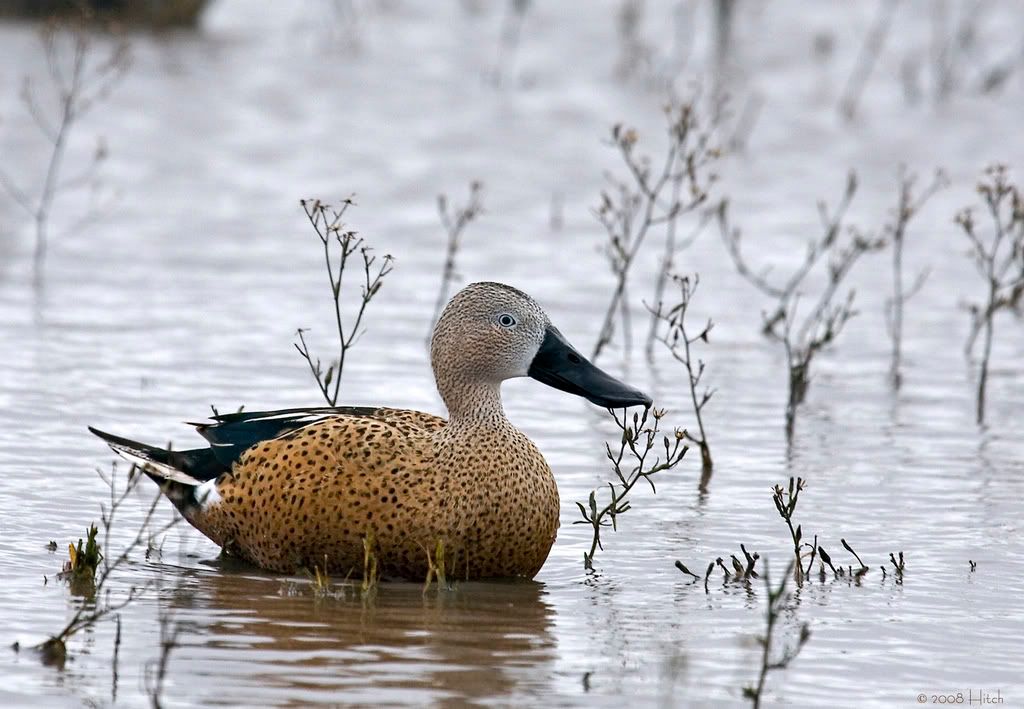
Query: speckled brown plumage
point(300, 488)
point(401, 477)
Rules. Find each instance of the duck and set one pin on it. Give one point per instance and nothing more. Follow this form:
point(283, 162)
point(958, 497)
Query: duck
point(310, 488)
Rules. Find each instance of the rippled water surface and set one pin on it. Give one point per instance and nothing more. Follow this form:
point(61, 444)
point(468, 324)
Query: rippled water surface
point(189, 290)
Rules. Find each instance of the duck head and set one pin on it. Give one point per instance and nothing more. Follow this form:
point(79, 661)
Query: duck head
point(490, 332)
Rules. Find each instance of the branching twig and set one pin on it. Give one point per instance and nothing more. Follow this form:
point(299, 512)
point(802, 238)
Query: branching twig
point(80, 80)
point(785, 502)
point(816, 249)
point(999, 259)
point(820, 325)
point(54, 650)
point(778, 599)
point(651, 198)
point(454, 224)
point(907, 207)
point(327, 222)
point(639, 438)
point(678, 342)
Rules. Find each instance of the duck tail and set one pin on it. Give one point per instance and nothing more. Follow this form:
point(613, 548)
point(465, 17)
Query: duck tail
point(178, 473)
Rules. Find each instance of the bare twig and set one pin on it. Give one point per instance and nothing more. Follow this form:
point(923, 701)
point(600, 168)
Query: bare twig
point(805, 336)
point(330, 229)
point(778, 599)
point(80, 80)
point(724, 11)
point(636, 54)
point(651, 198)
point(54, 650)
point(816, 249)
point(156, 671)
point(895, 231)
point(869, 53)
point(639, 438)
point(679, 343)
point(508, 44)
point(114, 661)
point(999, 258)
point(454, 224)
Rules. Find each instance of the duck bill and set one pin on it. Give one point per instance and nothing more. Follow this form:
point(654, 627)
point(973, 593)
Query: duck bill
point(559, 365)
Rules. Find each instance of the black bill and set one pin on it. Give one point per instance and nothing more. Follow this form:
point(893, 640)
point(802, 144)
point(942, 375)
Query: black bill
point(559, 365)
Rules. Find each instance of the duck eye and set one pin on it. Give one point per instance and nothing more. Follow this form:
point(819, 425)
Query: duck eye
point(506, 320)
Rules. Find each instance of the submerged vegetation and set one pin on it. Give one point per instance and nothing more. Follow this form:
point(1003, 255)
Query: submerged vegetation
point(999, 258)
point(82, 564)
point(777, 599)
point(805, 332)
point(907, 206)
point(785, 499)
point(90, 567)
point(679, 344)
point(631, 462)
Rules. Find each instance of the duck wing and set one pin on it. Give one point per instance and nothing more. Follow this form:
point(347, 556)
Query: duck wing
point(232, 434)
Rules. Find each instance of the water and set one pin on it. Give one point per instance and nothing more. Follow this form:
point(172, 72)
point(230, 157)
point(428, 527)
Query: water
point(189, 291)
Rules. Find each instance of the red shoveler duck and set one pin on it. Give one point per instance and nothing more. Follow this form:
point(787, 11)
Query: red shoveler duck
point(299, 488)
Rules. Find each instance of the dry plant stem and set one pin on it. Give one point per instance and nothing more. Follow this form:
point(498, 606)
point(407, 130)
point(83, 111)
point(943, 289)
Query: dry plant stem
point(679, 343)
point(863, 567)
point(816, 249)
point(86, 616)
point(635, 53)
point(951, 46)
point(801, 349)
point(804, 336)
point(370, 581)
point(330, 229)
point(999, 260)
point(724, 11)
point(785, 502)
point(436, 567)
point(908, 205)
point(869, 53)
point(512, 27)
point(156, 673)
point(454, 224)
point(114, 661)
point(78, 89)
point(745, 123)
point(682, 567)
point(651, 198)
point(667, 266)
point(777, 600)
point(639, 438)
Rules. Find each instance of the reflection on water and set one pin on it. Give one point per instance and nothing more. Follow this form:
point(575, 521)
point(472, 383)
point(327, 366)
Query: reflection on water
point(472, 642)
point(190, 292)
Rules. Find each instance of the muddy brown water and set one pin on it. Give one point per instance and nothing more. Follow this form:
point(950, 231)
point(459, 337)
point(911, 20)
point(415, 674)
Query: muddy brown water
point(189, 290)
